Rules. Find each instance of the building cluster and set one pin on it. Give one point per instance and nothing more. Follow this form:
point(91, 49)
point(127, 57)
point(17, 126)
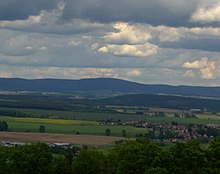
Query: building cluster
point(171, 132)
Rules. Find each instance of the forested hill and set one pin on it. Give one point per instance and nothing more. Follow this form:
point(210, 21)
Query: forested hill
point(162, 101)
point(101, 85)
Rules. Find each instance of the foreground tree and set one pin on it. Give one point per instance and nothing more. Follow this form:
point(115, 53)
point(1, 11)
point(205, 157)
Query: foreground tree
point(89, 162)
point(34, 159)
point(189, 158)
point(213, 154)
point(133, 157)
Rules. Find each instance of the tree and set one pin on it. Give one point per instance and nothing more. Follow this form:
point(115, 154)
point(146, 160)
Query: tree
point(89, 162)
point(5, 165)
point(188, 158)
point(151, 134)
point(176, 115)
point(213, 154)
point(161, 135)
point(133, 157)
point(42, 129)
point(34, 159)
point(123, 133)
point(3, 126)
point(107, 132)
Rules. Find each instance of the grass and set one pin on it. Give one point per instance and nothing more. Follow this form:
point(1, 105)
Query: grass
point(202, 118)
point(58, 126)
point(55, 121)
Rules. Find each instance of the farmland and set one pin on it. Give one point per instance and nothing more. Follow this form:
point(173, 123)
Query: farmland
point(65, 117)
point(59, 138)
point(70, 126)
point(68, 115)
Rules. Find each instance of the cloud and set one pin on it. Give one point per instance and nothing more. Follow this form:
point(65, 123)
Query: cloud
point(128, 40)
point(198, 64)
point(17, 46)
point(49, 22)
point(207, 14)
point(5, 75)
point(130, 50)
point(13, 10)
point(127, 33)
point(74, 43)
point(208, 72)
point(134, 72)
point(206, 68)
point(168, 12)
point(189, 73)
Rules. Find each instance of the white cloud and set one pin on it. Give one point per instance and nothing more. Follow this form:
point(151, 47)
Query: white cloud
point(205, 31)
point(74, 43)
point(42, 48)
point(198, 64)
point(127, 34)
point(189, 73)
point(129, 40)
point(94, 46)
point(28, 48)
point(17, 46)
point(5, 75)
point(134, 72)
point(207, 14)
point(167, 34)
point(130, 50)
point(207, 69)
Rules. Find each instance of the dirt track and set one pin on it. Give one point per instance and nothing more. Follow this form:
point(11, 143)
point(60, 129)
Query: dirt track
point(58, 138)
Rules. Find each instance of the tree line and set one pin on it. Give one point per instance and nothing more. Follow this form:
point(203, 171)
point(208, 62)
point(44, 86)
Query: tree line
point(131, 157)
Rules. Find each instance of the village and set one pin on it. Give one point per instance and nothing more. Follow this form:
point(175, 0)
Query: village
point(171, 132)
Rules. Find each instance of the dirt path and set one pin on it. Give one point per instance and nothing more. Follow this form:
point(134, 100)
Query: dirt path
point(58, 138)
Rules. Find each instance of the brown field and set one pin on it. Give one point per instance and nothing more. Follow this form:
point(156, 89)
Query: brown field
point(58, 138)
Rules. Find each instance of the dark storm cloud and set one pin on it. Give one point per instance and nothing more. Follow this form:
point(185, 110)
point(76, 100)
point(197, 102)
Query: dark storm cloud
point(22, 9)
point(155, 12)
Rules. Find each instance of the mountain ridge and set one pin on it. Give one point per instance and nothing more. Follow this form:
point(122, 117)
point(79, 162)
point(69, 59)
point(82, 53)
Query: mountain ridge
point(103, 84)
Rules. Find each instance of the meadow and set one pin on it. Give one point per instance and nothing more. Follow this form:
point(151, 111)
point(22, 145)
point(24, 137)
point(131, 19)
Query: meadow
point(67, 126)
point(93, 116)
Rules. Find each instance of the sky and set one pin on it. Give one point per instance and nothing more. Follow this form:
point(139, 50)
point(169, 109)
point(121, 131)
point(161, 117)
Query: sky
point(174, 42)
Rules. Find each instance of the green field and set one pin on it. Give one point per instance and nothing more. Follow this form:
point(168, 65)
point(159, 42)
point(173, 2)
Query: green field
point(51, 121)
point(202, 118)
point(58, 126)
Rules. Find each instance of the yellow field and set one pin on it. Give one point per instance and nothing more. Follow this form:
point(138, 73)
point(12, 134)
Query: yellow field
point(50, 121)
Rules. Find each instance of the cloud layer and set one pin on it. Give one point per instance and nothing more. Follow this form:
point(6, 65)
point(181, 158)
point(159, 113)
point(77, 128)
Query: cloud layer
point(149, 41)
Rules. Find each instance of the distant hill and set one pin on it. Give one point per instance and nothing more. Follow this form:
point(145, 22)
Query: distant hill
point(102, 85)
point(162, 101)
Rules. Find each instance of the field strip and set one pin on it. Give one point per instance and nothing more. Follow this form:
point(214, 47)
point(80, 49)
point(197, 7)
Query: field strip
point(51, 121)
point(58, 138)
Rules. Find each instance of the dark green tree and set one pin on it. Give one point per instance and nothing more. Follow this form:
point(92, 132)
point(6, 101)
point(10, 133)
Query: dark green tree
point(107, 132)
point(188, 158)
point(89, 162)
point(133, 157)
point(151, 134)
point(42, 129)
point(213, 154)
point(3, 126)
point(123, 133)
point(61, 165)
point(5, 164)
point(34, 159)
